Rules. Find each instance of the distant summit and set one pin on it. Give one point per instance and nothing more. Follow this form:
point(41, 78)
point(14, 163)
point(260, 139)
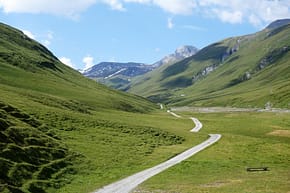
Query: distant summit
point(110, 69)
point(180, 53)
point(119, 75)
point(185, 51)
point(278, 23)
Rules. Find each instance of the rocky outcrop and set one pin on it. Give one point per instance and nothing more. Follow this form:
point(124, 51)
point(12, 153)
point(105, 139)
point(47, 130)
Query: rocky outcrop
point(205, 71)
point(180, 53)
point(269, 59)
point(272, 57)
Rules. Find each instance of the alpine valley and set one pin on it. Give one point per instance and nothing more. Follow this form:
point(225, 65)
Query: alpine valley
point(61, 132)
point(56, 126)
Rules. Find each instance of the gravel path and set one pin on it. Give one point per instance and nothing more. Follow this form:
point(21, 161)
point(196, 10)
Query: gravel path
point(130, 183)
point(175, 115)
point(198, 125)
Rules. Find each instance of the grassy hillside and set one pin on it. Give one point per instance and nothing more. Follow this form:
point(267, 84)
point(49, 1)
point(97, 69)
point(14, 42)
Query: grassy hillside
point(32, 157)
point(244, 71)
point(28, 65)
point(61, 132)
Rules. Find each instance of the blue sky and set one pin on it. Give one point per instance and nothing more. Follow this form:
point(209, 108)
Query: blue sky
point(85, 32)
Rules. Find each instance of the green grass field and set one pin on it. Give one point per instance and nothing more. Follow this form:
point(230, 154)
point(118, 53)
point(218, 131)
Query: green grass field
point(63, 133)
point(98, 147)
point(249, 140)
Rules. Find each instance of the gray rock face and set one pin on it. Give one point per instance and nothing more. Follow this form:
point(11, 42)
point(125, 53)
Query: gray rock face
point(180, 53)
point(207, 70)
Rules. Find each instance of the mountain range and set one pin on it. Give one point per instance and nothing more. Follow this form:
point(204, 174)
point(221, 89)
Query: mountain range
point(249, 71)
point(119, 75)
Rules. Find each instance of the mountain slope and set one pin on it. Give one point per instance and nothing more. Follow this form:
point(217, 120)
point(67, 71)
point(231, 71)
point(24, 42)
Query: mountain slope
point(25, 63)
point(250, 70)
point(278, 23)
point(115, 74)
point(55, 123)
point(119, 75)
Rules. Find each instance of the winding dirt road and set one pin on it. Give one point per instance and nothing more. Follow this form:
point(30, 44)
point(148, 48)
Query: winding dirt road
point(175, 115)
point(198, 125)
point(130, 183)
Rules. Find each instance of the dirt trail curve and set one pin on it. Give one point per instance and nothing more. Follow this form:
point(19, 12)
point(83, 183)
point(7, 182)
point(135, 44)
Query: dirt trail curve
point(198, 125)
point(130, 183)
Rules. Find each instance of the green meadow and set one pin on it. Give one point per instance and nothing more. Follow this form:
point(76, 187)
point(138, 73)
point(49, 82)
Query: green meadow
point(249, 140)
point(63, 133)
point(72, 151)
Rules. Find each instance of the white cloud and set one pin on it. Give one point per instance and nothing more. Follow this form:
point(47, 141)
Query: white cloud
point(170, 24)
point(29, 34)
point(229, 16)
point(67, 61)
point(56, 7)
point(230, 11)
point(254, 20)
point(137, 1)
point(256, 12)
point(88, 61)
point(182, 7)
point(271, 10)
point(115, 4)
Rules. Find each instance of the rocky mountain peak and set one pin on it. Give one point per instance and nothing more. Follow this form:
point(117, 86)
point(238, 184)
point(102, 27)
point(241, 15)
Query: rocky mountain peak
point(180, 53)
point(185, 51)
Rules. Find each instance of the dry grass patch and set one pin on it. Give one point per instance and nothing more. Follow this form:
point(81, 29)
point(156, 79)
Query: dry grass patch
point(280, 133)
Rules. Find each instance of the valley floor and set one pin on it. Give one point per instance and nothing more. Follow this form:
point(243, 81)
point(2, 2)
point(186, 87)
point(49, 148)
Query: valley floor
point(128, 184)
point(250, 139)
